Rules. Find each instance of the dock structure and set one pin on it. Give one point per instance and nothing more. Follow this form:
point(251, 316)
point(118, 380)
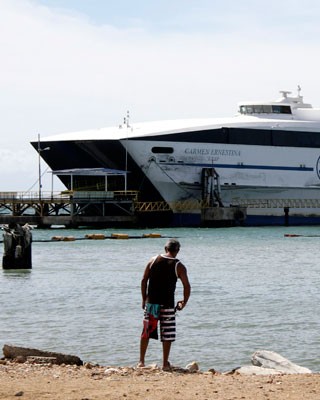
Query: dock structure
point(122, 208)
point(93, 198)
point(69, 208)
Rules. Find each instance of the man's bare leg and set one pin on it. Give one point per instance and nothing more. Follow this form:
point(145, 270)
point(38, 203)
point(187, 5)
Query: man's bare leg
point(143, 349)
point(166, 346)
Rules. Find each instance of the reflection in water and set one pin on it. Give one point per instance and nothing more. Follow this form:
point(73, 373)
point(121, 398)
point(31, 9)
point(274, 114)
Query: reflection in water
point(16, 273)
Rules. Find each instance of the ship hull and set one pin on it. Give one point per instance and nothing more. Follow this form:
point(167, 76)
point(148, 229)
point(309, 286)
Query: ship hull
point(266, 161)
point(277, 185)
point(266, 180)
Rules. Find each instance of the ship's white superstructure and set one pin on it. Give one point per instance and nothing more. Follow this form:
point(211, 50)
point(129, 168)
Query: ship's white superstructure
point(266, 157)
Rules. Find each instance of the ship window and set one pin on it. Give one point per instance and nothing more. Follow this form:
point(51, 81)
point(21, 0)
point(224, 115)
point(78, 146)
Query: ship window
point(265, 109)
point(260, 137)
point(286, 110)
point(162, 150)
point(296, 139)
point(276, 109)
point(281, 109)
point(258, 109)
point(246, 109)
point(249, 110)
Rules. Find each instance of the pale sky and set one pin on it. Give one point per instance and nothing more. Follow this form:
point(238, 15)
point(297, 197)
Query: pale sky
point(69, 65)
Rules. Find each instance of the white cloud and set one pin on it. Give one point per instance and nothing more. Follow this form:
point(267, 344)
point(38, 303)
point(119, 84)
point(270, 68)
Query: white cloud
point(59, 72)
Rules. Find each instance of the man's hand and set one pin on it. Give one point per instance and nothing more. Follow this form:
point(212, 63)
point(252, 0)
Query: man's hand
point(180, 305)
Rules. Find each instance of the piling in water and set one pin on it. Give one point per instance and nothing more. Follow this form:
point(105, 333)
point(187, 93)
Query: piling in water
point(17, 247)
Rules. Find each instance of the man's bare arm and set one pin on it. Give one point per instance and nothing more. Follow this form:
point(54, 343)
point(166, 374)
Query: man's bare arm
point(183, 276)
point(144, 284)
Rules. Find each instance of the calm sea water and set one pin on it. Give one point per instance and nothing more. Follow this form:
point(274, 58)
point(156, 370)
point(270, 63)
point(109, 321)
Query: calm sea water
point(252, 288)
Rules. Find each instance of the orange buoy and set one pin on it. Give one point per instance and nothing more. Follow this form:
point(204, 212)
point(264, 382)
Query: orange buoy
point(119, 235)
point(155, 235)
point(57, 238)
point(68, 238)
point(96, 236)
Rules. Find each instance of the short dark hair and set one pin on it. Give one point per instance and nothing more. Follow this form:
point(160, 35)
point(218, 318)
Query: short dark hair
point(172, 245)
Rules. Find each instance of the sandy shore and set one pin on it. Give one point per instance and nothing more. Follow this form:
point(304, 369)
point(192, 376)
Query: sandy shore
point(36, 381)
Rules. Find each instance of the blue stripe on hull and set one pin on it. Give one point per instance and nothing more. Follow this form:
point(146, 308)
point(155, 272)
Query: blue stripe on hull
point(266, 220)
point(244, 166)
point(186, 219)
point(194, 220)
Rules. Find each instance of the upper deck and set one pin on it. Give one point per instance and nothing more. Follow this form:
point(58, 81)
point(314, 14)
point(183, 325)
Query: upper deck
point(286, 107)
point(290, 113)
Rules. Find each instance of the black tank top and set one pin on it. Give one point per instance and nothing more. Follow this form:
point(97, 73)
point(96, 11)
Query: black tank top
point(162, 281)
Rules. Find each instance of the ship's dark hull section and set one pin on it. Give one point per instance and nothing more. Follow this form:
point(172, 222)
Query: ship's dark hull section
point(97, 154)
point(245, 136)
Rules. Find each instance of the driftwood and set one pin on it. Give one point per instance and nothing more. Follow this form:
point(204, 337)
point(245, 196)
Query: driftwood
point(23, 353)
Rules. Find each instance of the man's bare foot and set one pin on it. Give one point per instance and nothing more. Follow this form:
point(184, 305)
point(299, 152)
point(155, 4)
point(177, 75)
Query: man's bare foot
point(140, 364)
point(167, 367)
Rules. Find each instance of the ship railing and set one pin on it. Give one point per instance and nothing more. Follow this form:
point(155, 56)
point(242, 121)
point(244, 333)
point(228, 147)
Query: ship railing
point(277, 203)
point(184, 205)
point(177, 206)
point(193, 204)
point(151, 206)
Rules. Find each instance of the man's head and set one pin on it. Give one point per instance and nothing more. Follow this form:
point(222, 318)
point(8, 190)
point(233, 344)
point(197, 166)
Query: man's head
point(172, 246)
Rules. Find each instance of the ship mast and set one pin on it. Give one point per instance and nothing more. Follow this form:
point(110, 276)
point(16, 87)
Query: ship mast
point(126, 121)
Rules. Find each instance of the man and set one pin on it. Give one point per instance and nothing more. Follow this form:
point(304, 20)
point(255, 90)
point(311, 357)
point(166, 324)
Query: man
point(158, 286)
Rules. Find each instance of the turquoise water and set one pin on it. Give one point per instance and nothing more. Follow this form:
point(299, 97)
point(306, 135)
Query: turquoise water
point(252, 288)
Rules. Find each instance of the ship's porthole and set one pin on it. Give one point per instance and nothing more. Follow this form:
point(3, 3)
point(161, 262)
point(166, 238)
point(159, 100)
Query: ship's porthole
point(318, 167)
point(162, 150)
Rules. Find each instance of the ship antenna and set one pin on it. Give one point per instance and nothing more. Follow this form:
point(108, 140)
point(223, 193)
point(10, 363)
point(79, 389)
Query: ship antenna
point(299, 90)
point(126, 120)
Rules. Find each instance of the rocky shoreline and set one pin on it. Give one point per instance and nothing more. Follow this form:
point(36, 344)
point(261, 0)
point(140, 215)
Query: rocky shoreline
point(91, 382)
point(39, 377)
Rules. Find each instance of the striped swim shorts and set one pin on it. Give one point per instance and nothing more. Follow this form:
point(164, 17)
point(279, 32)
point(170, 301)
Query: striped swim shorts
point(167, 319)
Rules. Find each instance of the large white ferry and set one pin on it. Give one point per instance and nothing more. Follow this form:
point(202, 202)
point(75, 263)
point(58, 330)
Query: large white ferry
point(266, 158)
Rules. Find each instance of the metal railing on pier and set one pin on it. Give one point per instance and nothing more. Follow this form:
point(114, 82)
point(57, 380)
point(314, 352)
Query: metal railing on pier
point(277, 203)
point(66, 202)
point(68, 194)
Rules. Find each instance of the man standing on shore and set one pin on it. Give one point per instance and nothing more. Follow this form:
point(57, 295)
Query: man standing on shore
point(158, 286)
